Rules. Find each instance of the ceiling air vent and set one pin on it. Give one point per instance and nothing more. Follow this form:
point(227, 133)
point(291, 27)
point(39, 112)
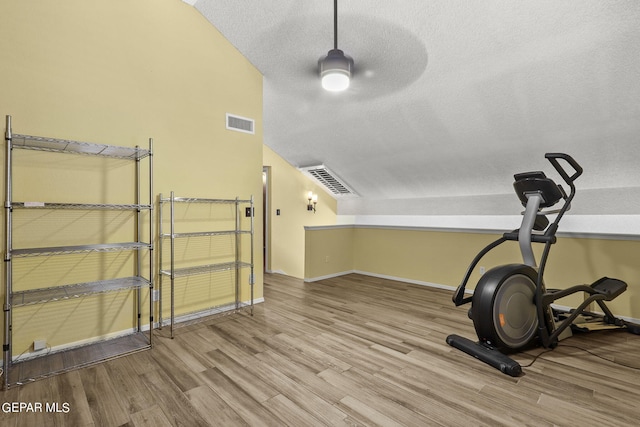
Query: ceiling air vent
point(332, 183)
point(240, 124)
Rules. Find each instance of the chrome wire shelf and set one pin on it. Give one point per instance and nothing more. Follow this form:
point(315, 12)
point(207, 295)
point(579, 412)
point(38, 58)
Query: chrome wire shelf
point(39, 143)
point(199, 200)
point(57, 293)
point(36, 368)
point(235, 254)
point(208, 233)
point(87, 206)
point(216, 311)
point(203, 269)
point(65, 250)
point(91, 349)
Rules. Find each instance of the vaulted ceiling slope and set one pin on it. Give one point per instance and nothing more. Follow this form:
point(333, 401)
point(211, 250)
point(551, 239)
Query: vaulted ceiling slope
point(450, 97)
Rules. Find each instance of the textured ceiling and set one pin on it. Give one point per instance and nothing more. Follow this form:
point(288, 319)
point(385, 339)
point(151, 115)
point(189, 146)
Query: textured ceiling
point(450, 97)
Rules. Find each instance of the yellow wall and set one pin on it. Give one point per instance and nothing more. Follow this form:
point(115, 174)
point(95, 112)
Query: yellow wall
point(288, 190)
point(429, 256)
point(442, 257)
point(119, 72)
point(328, 251)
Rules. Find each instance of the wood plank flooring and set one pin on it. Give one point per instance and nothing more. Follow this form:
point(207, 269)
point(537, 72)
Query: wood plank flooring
point(348, 351)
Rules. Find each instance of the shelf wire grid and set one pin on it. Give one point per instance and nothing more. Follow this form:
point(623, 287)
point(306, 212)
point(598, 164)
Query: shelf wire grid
point(64, 250)
point(87, 206)
point(77, 290)
point(28, 142)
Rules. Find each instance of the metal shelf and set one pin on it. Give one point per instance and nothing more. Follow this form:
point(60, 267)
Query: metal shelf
point(203, 269)
point(57, 293)
point(86, 206)
point(221, 310)
point(201, 200)
point(39, 143)
point(18, 369)
point(176, 272)
point(32, 369)
point(65, 250)
point(207, 233)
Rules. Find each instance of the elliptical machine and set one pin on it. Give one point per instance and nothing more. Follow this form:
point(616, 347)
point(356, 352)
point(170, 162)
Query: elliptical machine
point(510, 307)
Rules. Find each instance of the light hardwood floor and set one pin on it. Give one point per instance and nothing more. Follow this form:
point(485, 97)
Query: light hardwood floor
point(353, 350)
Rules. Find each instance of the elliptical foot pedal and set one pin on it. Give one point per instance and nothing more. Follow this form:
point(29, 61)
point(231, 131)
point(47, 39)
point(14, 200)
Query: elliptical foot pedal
point(609, 287)
point(488, 355)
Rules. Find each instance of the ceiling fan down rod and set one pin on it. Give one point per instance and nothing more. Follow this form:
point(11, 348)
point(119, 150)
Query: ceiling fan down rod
point(335, 24)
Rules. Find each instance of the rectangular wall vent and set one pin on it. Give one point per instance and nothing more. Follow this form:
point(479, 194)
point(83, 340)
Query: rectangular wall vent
point(240, 124)
point(329, 180)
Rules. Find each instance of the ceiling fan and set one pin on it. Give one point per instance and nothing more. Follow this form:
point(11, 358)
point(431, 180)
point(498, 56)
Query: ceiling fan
point(336, 68)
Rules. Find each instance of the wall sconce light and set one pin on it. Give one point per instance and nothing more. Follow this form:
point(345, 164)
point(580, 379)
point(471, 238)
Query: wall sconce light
point(313, 199)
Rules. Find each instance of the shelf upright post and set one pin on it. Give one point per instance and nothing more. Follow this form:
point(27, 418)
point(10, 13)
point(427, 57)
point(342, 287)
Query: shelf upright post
point(237, 263)
point(6, 347)
point(251, 276)
point(173, 256)
point(160, 244)
point(151, 278)
point(138, 252)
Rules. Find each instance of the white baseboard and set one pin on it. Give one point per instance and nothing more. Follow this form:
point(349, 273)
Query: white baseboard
point(381, 276)
point(328, 276)
point(402, 279)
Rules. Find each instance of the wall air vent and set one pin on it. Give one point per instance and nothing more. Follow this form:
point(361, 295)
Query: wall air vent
point(240, 124)
point(329, 180)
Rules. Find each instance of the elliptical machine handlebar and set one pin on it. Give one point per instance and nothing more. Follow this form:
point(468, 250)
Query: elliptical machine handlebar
point(553, 158)
point(569, 179)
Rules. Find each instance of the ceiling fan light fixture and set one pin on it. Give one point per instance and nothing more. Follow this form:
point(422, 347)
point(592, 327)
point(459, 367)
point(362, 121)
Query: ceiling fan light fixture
point(336, 68)
point(335, 71)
